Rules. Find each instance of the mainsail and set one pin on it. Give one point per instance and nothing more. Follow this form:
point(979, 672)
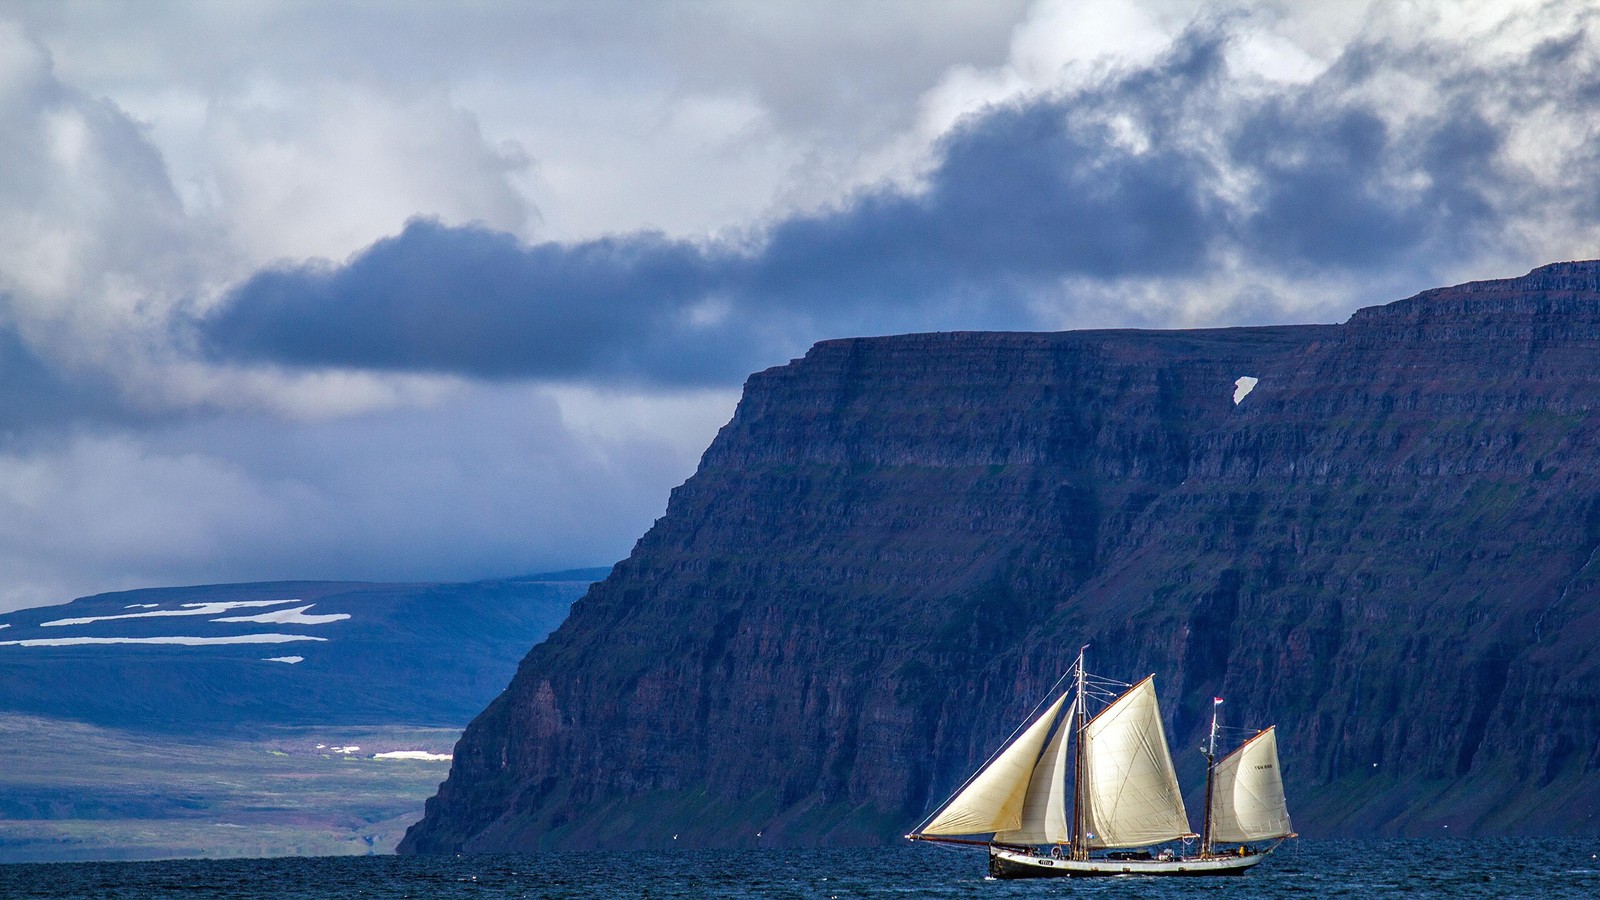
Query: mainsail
point(993, 800)
point(1247, 798)
point(1131, 792)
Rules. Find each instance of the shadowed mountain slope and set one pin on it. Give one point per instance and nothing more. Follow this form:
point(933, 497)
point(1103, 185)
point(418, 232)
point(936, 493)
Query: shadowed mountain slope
point(201, 659)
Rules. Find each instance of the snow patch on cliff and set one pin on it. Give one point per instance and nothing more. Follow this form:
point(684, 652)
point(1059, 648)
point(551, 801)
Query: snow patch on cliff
point(1243, 386)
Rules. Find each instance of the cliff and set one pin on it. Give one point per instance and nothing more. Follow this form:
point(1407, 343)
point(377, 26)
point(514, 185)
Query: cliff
point(1388, 548)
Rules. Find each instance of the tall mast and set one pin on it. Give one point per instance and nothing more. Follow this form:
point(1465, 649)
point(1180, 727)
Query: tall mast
point(1080, 844)
point(1211, 777)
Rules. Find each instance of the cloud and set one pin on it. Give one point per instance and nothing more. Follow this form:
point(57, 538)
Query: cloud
point(489, 481)
point(301, 173)
point(686, 117)
point(1187, 187)
point(327, 292)
point(477, 301)
point(37, 397)
point(1022, 194)
point(95, 238)
point(102, 253)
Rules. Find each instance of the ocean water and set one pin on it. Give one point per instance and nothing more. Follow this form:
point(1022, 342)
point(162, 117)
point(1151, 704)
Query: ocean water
point(1546, 869)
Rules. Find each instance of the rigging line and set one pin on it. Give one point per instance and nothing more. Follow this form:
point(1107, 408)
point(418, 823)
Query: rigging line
point(1239, 729)
point(1026, 721)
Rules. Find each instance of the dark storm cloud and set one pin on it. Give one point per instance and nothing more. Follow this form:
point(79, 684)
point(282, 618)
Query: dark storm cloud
point(469, 299)
point(1134, 177)
point(1341, 187)
point(1022, 194)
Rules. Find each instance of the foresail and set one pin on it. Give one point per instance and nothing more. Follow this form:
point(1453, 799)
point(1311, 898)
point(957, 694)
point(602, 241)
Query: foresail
point(992, 801)
point(1131, 792)
point(1044, 806)
point(1247, 795)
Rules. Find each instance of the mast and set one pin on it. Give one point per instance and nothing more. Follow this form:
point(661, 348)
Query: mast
point(1080, 844)
point(1211, 778)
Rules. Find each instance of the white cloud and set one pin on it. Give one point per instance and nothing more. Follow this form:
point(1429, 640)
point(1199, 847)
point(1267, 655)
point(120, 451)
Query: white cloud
point(686, 117)
point(323, 171)
point(96, 242)
point(1059, 43)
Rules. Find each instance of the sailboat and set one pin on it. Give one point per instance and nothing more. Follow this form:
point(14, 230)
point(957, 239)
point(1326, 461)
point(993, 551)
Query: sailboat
point(1125, 797)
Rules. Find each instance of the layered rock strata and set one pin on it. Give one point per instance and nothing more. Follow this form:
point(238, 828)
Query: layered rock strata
point(1388, 547)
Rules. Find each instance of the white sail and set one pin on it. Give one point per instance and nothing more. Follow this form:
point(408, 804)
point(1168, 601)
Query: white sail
point(1044, 806)
point(1247, 801)
point(1130, 792)
point(992, 800)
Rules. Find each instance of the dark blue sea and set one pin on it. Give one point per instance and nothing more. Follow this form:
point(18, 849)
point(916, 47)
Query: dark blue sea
point(1546, 869)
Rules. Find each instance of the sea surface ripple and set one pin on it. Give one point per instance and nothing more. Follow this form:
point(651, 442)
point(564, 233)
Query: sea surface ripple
point(1544, 868)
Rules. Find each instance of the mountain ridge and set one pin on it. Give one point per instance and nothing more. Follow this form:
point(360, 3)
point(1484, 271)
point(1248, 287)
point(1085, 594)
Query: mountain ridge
point(200, 658)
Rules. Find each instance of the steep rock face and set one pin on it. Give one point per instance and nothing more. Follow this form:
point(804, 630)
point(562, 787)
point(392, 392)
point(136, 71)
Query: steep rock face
point(1389, 547)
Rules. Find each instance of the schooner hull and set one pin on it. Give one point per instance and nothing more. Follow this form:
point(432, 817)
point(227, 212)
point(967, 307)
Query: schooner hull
point(1004, 863)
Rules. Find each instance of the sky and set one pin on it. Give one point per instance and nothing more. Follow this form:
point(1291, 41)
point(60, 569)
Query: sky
point(445, 291)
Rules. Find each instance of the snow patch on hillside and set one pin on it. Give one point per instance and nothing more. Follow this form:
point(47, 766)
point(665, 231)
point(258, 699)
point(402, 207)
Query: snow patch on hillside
point(188, 609)
point(296, 616)
point(413, 754)
point(186, 641)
